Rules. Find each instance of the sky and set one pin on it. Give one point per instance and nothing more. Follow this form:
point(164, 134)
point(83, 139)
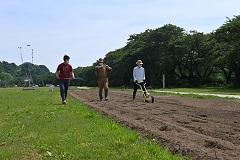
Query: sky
point(88, 29)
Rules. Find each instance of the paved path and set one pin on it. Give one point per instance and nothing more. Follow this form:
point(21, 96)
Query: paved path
point(203, 94)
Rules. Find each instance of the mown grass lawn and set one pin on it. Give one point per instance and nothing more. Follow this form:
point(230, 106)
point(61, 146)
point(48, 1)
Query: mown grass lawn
point(209, 90)
point(196, 93)
point(35, 125)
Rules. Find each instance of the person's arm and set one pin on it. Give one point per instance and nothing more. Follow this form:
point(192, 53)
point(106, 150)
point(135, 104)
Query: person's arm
point(57, 74)
point(96, 70)
point(72, 74)
point(108, 68)
point(143, 74)
point(134, 75)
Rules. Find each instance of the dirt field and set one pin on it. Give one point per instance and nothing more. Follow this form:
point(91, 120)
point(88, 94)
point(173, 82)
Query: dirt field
point(200, 128)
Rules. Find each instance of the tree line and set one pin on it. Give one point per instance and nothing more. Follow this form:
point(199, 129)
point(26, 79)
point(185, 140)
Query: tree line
point(186, 58)
point(24, 75)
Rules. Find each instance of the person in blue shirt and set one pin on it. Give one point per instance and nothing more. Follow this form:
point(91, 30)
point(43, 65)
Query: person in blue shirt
point(139, 78)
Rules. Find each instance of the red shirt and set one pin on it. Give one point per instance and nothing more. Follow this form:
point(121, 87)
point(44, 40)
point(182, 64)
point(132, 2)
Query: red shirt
point(65, 70)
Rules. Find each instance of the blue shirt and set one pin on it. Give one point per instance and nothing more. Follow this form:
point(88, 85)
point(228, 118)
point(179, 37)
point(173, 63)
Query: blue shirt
point(139, 74)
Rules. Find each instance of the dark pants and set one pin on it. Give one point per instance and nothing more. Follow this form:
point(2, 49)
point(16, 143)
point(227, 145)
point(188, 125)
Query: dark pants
point(136, 87)
point(63, 84)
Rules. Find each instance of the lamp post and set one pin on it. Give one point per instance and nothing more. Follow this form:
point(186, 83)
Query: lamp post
point(163, 80)
point(32, 63)
point(20, 49)
point(32, 52)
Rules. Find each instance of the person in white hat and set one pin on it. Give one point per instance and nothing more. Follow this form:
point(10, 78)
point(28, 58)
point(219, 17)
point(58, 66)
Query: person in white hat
point(138, 77)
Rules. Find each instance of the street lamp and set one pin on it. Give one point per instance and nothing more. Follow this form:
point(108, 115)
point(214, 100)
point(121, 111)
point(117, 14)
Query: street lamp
point(20, 53)
point(20, 49)
point(32, 51)
point(32, 63)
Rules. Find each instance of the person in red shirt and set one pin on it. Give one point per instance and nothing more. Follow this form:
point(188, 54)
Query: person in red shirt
point(63, 73)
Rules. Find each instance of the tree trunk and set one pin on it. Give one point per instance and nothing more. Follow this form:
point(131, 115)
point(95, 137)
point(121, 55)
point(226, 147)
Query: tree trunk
point(227, 75)
point(237, 76)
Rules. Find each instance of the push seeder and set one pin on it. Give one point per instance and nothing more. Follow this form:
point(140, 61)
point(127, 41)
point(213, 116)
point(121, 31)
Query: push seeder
point(148, 98)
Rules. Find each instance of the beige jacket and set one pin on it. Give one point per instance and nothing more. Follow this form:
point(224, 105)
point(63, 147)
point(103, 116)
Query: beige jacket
point(102, 71)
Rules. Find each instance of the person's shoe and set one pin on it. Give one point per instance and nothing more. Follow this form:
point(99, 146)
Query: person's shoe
point(106, 99)
point(106, 94)
point(101, 97)
point(64, 102)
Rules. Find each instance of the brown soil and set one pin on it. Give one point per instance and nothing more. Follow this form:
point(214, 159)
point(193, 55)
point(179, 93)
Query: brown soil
point(198, 128)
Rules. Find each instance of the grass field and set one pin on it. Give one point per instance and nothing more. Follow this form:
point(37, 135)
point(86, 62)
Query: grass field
point(210, 90)
point(207, 90)
point(35, 125)
point(196, 93)
point(192, 92)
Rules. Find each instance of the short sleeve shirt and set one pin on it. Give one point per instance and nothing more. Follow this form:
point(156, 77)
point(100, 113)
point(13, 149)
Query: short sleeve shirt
point(65, 70)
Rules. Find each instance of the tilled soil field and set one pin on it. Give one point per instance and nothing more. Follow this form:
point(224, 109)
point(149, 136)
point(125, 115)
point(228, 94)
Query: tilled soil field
point(197, 128)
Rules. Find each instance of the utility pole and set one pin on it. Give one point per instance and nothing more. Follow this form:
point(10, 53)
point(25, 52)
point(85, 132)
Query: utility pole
point(32, 52)
point(32, 56)
point(32, 63)
point(20, 49)
point(163, 80)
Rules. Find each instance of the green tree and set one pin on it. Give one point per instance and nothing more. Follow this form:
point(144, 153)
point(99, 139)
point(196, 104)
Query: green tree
point(227, 37)
point(5, 79)
point(86, 76)
point(47, 78)
point(196, 64)
point(10, 68)
point(153, 48)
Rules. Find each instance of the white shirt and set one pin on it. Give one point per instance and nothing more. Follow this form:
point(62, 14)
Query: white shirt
point(139, 74)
